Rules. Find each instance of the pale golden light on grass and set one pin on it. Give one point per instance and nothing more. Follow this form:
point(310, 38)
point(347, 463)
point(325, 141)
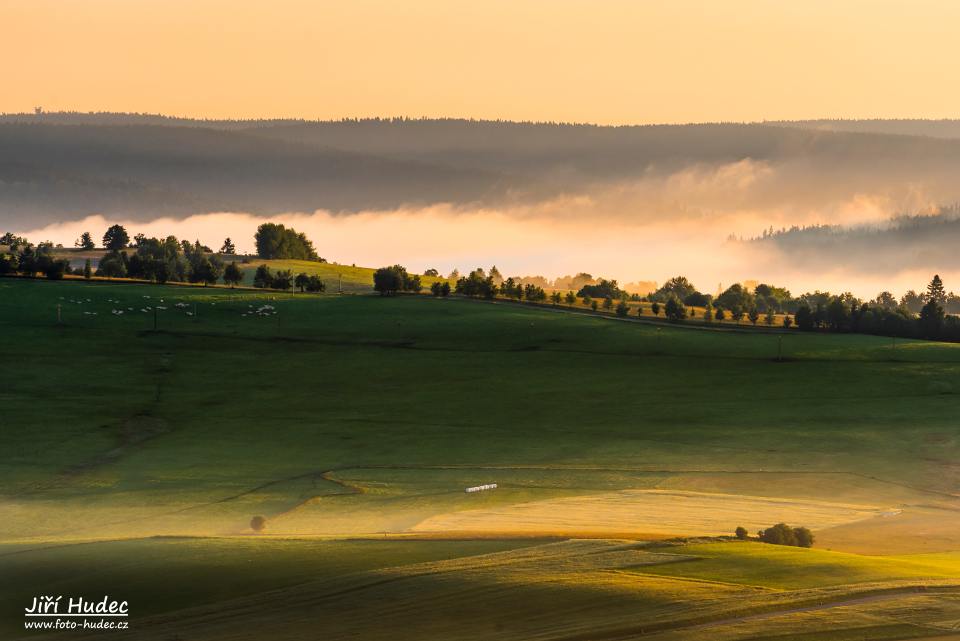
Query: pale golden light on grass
point(616, 61)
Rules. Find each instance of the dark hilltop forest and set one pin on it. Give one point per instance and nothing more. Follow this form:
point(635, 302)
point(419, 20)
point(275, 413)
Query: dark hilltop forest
point(65, 166)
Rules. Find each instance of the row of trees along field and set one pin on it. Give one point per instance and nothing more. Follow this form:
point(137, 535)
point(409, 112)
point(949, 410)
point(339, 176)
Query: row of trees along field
point(780, 534)
point(929, 314)
point(164, 260)
point(923, 315)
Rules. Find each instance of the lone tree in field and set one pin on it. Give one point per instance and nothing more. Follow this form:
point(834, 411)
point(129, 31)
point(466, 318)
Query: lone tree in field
point(228, 247)
point(741, 533)
point(87, 270)
point(769, 318)
point(571, 298)
point(593, 305)
point(608, 303)
point(936, 291)
point(787, 322)
point(622, 308)
point(555, 298)
point(232, 275)
point(720, 315)
point(753, 316)
point(258, 523)
point(276, 241)
point(116, 238)
point(85, 241)
point(655, 308)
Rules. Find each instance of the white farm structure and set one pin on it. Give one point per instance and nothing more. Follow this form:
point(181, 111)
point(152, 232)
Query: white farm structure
point(481, 488)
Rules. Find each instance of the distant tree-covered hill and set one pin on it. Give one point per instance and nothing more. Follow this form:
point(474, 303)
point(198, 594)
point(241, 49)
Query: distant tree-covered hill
point(55, 172)
point(55, 167)
point(943, 128)
point(903, 242)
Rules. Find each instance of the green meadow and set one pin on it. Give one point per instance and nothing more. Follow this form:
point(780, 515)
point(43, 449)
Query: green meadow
point(140, 444)
point(336, 277)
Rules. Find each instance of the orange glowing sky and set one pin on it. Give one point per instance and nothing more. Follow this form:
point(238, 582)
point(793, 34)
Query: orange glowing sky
point(604, 61)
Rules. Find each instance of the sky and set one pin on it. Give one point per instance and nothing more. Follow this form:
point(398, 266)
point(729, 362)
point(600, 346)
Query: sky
point(601, 61)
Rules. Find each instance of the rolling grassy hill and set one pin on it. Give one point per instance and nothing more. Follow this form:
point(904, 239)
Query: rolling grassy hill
point(356, 417)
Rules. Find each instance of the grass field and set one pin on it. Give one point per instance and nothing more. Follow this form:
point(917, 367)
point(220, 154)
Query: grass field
point(356, 417)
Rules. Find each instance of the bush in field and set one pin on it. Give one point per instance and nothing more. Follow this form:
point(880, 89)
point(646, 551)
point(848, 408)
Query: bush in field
point(593, 305)
point(804, 318)
point(477, 285)
point(282, 280)
point(534, 293)
point(674, 310)
point(205, 269)
point(258, 523)
point(315, 285)
point(783, 534)
point(741, 533)
point(390, 280)
point(570, 298)
point(8, 264)
point(655, 308)
point(804, 537)
point(603, 289)
point(112, 265)
point(54, 269)
point(263, 278)
point(622, 308)
point(301, 280)
point(232, 275)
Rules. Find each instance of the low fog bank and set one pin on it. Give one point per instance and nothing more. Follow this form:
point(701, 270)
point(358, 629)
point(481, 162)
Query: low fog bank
point(635, 204)
point(576, 234)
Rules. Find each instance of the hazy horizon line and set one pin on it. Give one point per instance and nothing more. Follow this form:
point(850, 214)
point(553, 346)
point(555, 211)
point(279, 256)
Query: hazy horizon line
point(474, 119)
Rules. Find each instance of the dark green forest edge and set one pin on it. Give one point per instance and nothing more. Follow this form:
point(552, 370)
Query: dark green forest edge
point(931, 314)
